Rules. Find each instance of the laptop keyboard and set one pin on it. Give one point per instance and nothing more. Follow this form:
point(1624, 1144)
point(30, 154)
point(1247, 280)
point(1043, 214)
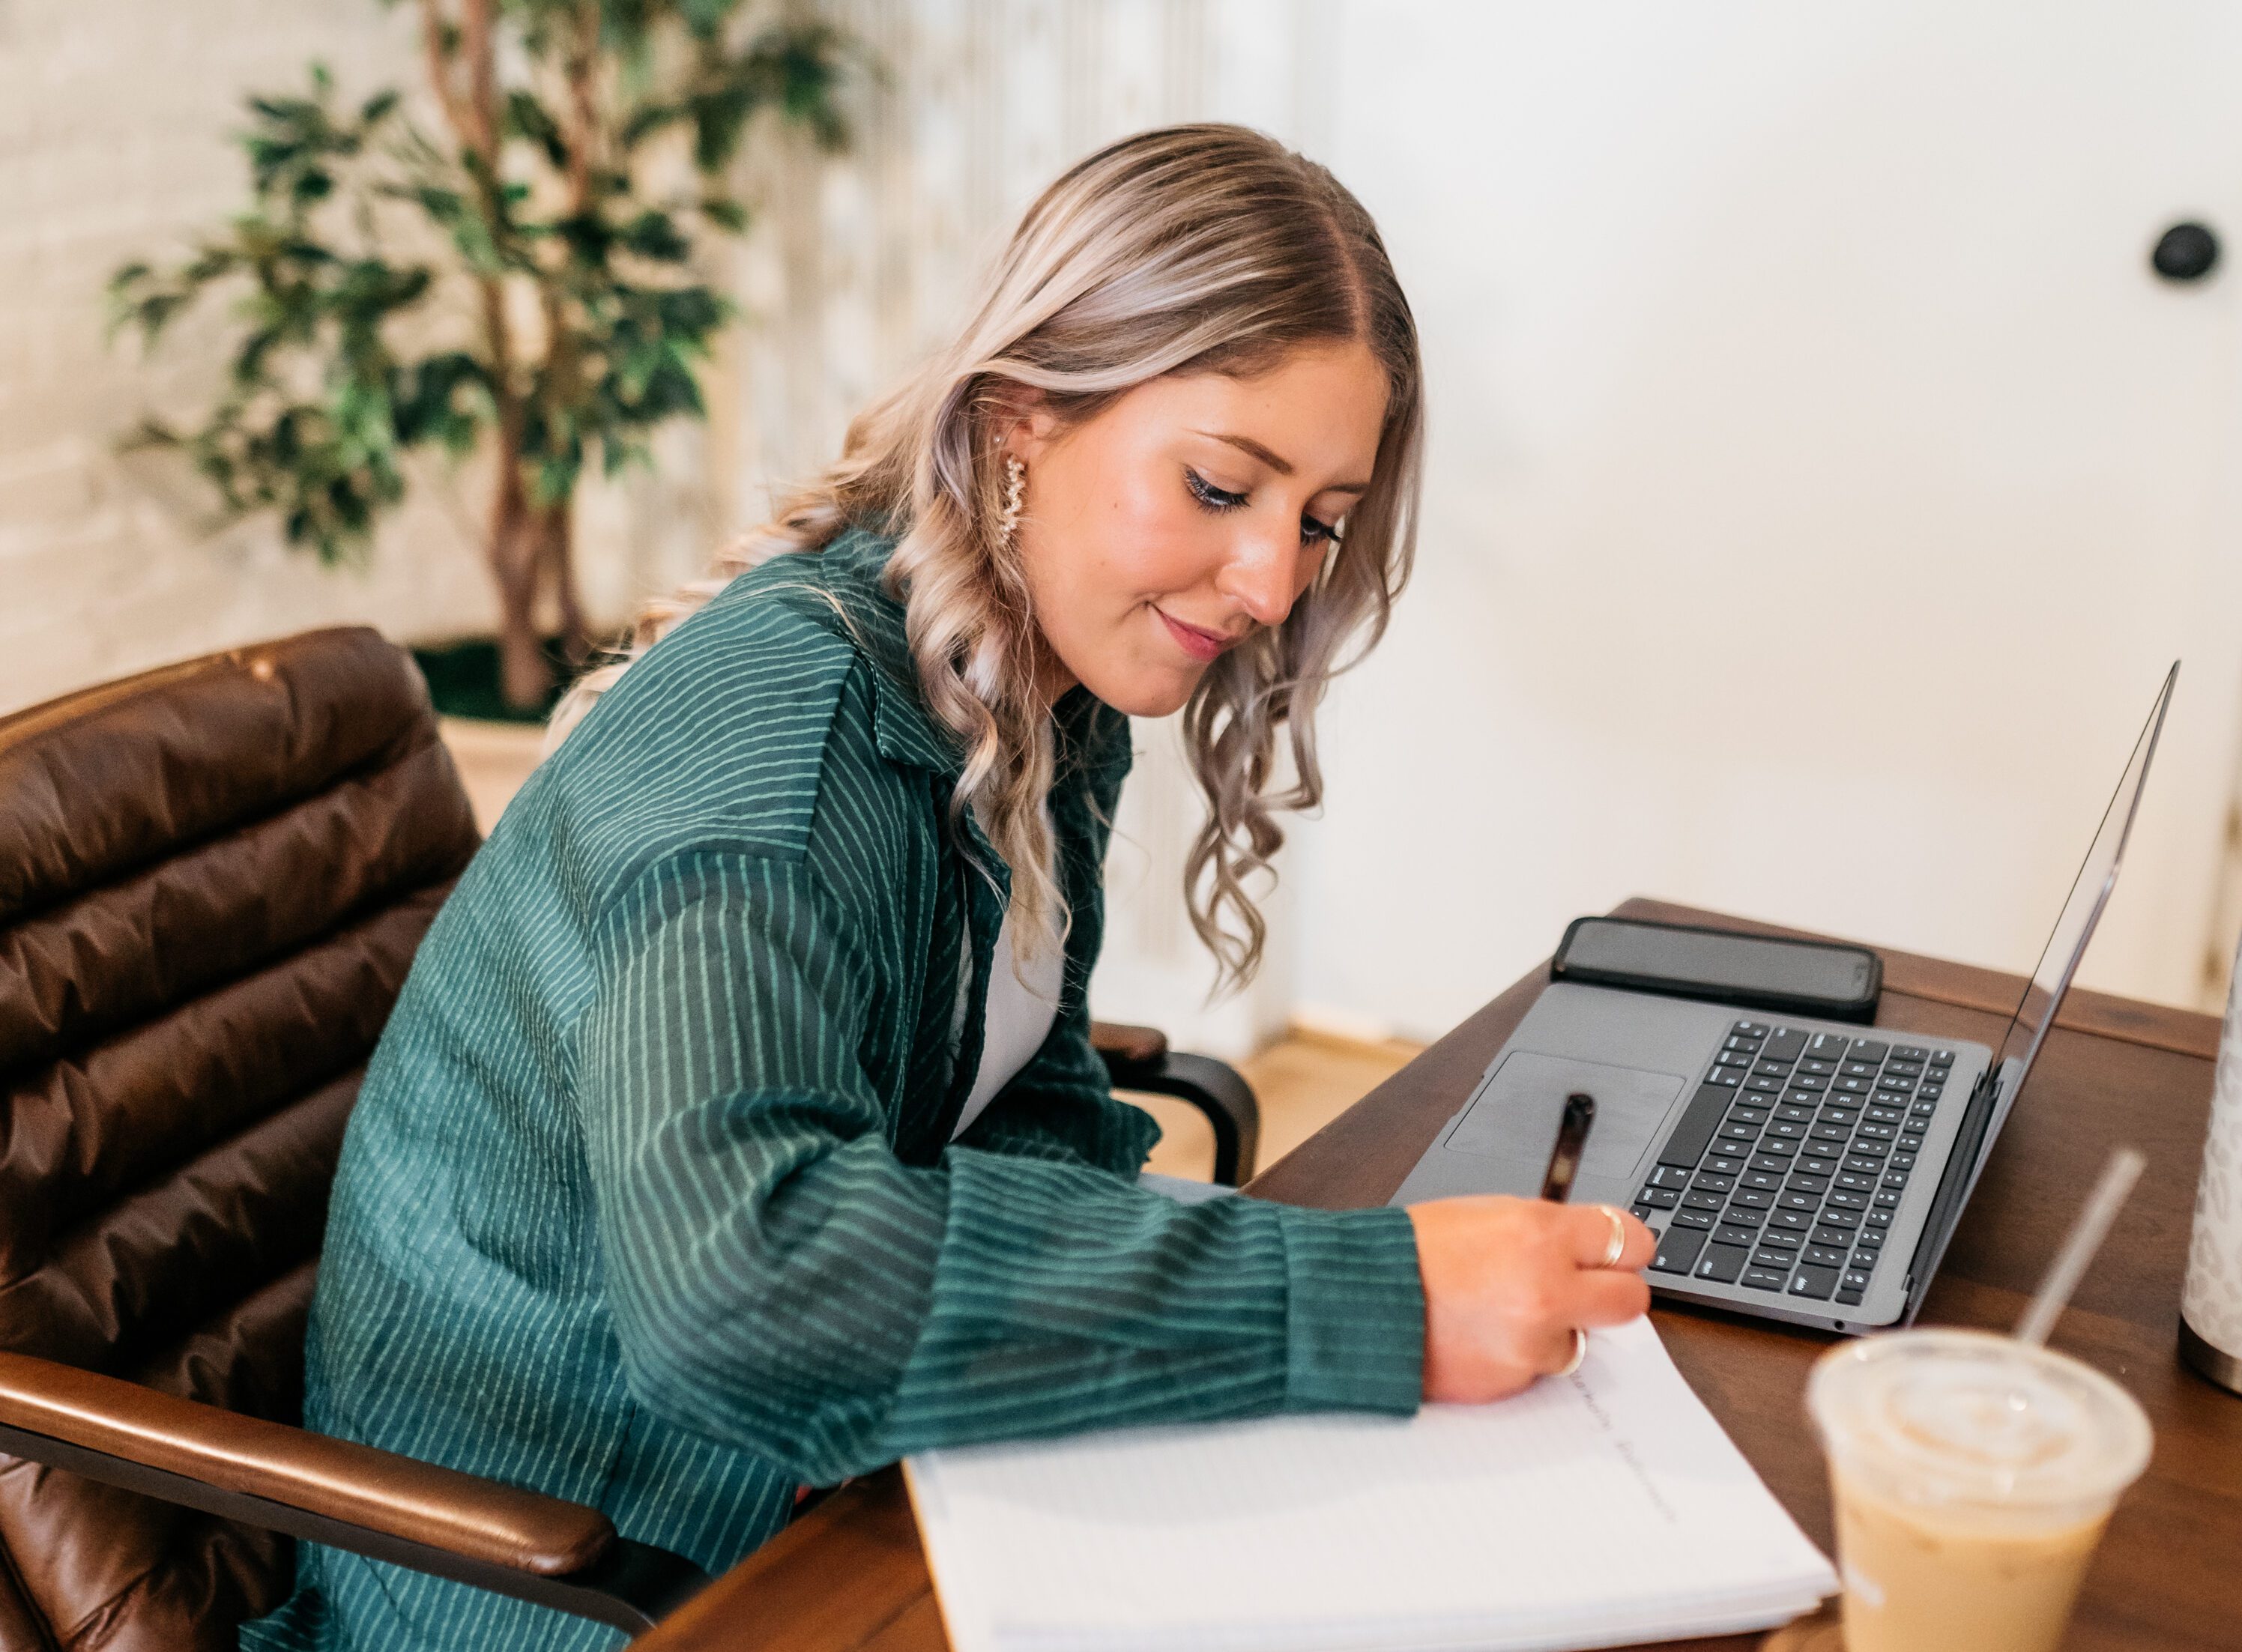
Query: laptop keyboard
point(1788, 1162)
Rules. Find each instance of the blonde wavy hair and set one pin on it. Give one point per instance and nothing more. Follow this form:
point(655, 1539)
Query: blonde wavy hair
point(1188, 249)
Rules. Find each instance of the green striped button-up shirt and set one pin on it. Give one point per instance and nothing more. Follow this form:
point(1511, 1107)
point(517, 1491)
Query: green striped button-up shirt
point(650, 1201)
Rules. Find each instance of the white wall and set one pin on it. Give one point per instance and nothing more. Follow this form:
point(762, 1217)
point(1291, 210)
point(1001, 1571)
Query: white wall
point(1819, 482)
point(115, 123)
point(1734, 312)
point(112, 147)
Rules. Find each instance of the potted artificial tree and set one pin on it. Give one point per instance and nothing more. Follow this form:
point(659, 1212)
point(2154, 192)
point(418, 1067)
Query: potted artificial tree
point(519, 283)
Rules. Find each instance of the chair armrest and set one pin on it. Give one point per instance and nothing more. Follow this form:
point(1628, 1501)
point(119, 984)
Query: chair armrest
point(1119, 1042)
point(341, 1479)
point(1138, 1058)
point(337, 1492)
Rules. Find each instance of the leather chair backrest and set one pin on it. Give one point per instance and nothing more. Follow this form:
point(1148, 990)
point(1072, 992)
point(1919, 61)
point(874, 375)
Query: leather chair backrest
point(212, 879)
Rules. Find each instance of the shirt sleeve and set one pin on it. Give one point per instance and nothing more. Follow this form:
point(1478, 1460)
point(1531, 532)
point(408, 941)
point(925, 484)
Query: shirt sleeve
point(781, 1280)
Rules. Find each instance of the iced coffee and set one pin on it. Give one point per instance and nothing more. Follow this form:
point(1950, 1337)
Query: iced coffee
point(1973, 1475)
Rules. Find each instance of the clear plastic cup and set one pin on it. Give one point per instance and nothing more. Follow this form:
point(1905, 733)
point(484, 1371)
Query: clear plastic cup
point(1973, 1475)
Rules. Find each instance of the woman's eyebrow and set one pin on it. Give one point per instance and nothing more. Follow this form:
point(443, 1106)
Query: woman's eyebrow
point(1275, 461)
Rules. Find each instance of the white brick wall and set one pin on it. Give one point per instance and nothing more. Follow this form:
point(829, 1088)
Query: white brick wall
point(115, 124)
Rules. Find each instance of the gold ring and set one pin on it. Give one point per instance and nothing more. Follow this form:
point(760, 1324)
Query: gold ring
point(1614, 1250)
point(1580, 1353)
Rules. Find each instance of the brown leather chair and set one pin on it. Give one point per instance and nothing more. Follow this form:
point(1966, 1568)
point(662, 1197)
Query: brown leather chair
point(212, 879)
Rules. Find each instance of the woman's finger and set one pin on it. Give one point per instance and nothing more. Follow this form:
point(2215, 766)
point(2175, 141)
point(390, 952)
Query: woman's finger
point(1589, 1235)
point(1552, 1350)
point(1610, 1298)
point(1605, 1300)
point(1642, 1242)
point(1501, 1381)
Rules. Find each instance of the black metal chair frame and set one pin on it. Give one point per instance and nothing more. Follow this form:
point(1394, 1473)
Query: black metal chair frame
point(1216, 1089)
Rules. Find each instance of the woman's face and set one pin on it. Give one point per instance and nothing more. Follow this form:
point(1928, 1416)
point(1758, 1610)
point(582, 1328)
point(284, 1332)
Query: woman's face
point(1188, 513)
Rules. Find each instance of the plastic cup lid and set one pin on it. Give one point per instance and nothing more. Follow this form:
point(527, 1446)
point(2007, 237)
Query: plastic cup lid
point(1966, 1417)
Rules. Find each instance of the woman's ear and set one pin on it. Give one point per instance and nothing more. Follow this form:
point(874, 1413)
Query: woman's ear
point(1027, 425)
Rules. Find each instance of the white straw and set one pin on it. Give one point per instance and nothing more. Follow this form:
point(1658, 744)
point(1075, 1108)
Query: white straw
point(2085, 1238)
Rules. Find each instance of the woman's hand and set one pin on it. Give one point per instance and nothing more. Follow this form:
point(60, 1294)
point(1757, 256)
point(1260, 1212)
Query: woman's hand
point(1508, 1280)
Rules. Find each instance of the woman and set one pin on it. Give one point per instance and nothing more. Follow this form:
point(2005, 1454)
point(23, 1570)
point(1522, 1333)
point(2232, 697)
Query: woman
point(738, 1128)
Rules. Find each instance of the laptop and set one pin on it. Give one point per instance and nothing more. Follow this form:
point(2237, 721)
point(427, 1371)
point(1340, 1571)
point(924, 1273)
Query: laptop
point(1793, 1169)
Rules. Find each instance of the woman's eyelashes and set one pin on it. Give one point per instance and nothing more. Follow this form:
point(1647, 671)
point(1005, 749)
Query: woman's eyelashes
point(1214, 499)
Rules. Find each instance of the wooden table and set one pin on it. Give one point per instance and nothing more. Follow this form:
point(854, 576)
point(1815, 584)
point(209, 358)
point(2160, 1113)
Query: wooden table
point(849, 1576)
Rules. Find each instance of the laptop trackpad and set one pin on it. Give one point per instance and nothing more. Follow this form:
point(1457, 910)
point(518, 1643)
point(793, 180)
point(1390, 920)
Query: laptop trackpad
point(1514, 1121)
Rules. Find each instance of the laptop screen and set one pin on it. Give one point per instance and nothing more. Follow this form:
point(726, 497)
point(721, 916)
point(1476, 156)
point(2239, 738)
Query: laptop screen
point(2035, 1014)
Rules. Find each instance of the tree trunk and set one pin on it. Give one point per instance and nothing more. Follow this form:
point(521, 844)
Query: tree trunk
point(557, 555)
point(556, 527)
point(525, 675)
point(515, 545)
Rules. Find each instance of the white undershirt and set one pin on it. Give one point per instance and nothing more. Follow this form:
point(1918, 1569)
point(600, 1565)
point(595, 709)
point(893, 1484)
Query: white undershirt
point(1018, 1017)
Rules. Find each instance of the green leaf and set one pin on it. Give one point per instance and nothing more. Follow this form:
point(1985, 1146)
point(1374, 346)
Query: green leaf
point(618, 453)
point(528, 119)
point(707, 18)
point(331, 377)
point(719, 116)
point(554, 480)
point(695, 310)
point(654, 234)
point(586, 236)
point(647, 119)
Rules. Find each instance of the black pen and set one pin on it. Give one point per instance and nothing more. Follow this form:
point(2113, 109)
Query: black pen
point(1572, 1140)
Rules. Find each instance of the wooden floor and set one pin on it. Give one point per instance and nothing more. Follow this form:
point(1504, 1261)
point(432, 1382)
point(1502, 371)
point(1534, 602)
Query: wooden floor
point(1304, 1081)
point(494, 759)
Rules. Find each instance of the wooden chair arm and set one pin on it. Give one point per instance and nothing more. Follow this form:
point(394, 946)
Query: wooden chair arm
point(1119, 1042)
point(338, 1492)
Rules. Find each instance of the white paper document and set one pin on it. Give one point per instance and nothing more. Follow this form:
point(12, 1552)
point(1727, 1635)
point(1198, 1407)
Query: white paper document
point(1601, 1510)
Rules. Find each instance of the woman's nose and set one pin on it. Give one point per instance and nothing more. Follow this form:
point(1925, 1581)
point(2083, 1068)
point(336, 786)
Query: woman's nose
point(1263, 578)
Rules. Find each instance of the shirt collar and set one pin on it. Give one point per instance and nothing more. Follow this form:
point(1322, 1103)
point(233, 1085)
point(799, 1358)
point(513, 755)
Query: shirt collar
point(851, 567)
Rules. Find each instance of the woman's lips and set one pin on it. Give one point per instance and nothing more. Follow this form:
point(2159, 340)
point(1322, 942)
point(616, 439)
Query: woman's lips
point(1200, 645)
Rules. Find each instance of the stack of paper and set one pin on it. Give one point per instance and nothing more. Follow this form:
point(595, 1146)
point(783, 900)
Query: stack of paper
point(1596, 1510)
